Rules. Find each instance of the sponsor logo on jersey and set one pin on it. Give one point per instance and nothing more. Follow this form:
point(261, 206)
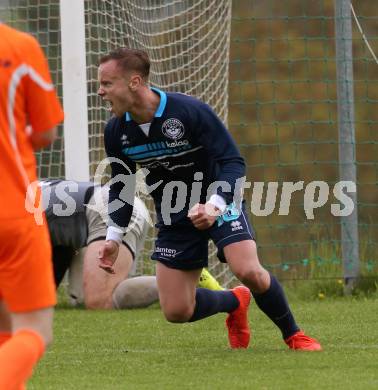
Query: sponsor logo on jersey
point(166, 252)
point(236, 225)
point(124, 140)
point(174, 144)
point(173, 128)
point(156, 164)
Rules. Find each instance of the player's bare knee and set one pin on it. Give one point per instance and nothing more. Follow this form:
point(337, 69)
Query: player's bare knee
point(176, 317)
point(255, 278)
point(97, 303)
point(178, 314)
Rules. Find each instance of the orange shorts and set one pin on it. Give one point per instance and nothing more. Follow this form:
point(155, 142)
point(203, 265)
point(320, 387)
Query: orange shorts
point(26, 275)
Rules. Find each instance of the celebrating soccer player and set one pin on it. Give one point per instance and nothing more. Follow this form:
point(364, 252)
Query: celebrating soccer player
point(195, 178)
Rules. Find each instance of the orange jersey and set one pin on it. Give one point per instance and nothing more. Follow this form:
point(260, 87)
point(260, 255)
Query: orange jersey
point(27, 101)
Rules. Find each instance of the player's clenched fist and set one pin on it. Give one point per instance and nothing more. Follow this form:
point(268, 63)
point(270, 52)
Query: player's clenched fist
point(203, 216)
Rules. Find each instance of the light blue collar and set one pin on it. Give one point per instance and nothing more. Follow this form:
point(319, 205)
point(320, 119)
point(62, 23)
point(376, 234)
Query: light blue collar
point(161, 107)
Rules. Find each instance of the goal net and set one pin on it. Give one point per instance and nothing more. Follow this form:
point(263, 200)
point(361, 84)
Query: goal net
point(188, 44)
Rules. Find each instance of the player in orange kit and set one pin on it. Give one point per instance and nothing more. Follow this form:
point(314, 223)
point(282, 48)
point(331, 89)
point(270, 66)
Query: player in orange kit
point(29, 114)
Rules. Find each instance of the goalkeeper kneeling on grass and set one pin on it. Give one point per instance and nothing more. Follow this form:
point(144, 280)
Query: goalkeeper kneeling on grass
point(76, 214)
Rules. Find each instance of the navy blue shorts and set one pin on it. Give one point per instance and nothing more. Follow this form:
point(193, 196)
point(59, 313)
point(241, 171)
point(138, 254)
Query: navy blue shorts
point(186, 248)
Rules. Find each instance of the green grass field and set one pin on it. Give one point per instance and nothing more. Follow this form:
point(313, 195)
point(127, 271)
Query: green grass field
point(138, 349)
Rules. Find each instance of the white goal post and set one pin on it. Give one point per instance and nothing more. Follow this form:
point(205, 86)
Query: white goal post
point(76, 150)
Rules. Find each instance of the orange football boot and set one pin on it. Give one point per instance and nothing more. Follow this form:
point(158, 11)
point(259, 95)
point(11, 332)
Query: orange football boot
point(239, 333)
point(300, 342)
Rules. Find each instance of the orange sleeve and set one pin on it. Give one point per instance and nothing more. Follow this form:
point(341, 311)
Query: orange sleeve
point(43, 106)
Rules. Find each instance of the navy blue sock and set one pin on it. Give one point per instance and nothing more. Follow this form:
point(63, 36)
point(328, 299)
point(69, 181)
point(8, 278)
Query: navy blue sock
point(274, 304)
point(209, 302)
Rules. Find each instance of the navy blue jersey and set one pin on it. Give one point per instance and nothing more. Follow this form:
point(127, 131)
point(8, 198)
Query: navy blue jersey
point(187, 143)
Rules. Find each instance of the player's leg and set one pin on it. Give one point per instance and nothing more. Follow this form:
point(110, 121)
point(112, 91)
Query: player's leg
point(181, 301)
point(244, 263)
point(31, 334)
point(239, 250)
point(177, 292)
point(130, 293)
point(181, 254)
point(136, 292)
point(27, 287)
point(140, 291)
point(75, 278)
point(99, 285)
point(61, 257)
point(208, 281)
point(40, 321)
point(96, 217)
point(26, 347)
point(267, 292)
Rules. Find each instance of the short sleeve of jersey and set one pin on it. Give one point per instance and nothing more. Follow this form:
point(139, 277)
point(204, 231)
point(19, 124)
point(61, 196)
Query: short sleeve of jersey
point(43, 106)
